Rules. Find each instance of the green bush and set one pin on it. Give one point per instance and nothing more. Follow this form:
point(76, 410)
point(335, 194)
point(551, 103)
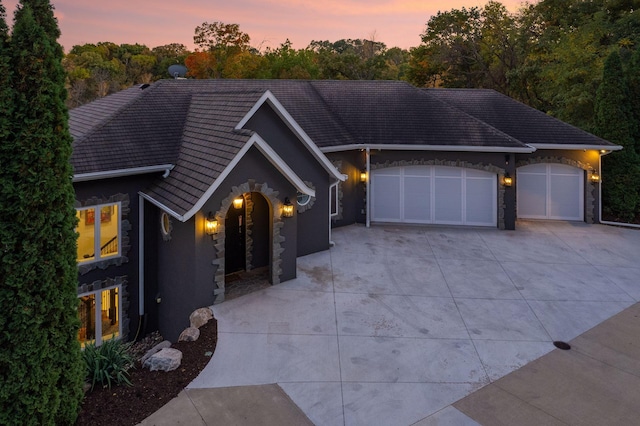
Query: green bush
point(108, 364)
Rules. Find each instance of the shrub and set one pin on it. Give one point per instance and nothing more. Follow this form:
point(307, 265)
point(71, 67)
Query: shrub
point(108, 363)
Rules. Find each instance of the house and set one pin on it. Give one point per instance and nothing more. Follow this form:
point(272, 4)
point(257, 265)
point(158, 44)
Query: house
point(183, 182)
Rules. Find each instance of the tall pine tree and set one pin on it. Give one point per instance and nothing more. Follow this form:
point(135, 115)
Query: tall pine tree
point(614, 122)
point(41, 371)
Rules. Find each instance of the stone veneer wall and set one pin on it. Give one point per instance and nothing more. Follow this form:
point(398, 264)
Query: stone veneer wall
point(276, 259)
point(125, 227)
point(591, 188)
point(124, 298)
point(456, 163)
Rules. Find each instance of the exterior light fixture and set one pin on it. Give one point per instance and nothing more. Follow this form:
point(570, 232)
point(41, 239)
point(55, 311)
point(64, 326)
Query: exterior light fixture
point(210, 224)
point(287, 208)
point(507, 180)
point(595, 177)
point(363, 176)
point(237, 203)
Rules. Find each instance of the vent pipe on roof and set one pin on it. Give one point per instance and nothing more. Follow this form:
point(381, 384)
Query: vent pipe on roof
point(144, 86)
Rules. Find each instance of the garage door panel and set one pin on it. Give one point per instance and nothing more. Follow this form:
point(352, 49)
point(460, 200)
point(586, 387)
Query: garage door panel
point(417, 199)
point(448, 193)
point(480, 209)
point(566, 200)
point(532, 196)
point(386, 198)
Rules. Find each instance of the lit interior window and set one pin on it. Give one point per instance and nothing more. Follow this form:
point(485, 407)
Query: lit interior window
point(99, 315)
point(98, 233)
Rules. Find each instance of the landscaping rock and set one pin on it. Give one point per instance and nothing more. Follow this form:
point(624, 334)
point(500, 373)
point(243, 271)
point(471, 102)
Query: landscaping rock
point(168, 359)
point(200, 317)
point(189, 335)
point(157, 348)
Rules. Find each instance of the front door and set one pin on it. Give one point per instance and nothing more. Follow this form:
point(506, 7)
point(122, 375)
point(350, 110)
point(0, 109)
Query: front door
point(235, 240)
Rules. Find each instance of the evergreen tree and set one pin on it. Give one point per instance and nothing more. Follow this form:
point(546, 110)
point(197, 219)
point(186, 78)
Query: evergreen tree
point(613, 122)
point(5, 77)
point(633, 73)
point(41, 371)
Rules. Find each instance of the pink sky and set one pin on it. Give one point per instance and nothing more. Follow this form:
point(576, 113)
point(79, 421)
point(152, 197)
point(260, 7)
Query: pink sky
point(268, 22)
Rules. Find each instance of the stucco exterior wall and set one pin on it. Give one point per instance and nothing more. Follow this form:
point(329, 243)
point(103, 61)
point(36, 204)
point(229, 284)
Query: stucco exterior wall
point(124, 269)
point(313, 223)
point(191, 265)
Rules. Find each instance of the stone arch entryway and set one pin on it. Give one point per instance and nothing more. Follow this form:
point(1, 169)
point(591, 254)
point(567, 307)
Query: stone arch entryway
point(261, 224)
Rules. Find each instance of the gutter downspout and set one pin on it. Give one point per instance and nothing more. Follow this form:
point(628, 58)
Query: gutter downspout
point(140, 257)
point(368, 187)
point(606, 222)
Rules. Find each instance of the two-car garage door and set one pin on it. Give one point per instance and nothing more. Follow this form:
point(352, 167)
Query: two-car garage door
point(434, 194)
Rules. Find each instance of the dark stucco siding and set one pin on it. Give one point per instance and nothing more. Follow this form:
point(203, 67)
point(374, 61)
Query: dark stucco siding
point(313, 223)
point(186, 269)
point(352, 191)
point(92, 192)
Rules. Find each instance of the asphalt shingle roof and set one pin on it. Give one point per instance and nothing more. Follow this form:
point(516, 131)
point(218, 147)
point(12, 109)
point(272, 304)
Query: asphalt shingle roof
point(515, 118)
point(190, 124)
point(209, 144)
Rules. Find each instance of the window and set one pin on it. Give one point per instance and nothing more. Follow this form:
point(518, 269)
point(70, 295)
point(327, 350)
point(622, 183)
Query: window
point(99, 232)
point(99, 314)
point(303, 199)
point(334, 201)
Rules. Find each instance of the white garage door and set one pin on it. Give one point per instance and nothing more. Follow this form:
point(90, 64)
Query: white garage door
point(434, 194)
point(550, 191)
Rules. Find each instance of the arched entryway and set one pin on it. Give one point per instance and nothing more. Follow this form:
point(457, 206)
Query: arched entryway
point(250, 246)
point(247, 245)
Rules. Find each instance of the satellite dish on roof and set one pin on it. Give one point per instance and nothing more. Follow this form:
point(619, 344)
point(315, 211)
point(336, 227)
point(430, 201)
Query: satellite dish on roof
point(177, 71)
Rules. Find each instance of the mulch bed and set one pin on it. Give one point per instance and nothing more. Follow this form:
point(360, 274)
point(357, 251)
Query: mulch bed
point(150, 390)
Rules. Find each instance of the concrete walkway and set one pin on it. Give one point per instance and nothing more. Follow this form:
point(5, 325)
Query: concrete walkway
point(394, 324)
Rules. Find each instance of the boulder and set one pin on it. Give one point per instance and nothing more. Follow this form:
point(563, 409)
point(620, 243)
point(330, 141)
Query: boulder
point(168, 359)
point(200, 317)
point(157, 348)
point(189, 335)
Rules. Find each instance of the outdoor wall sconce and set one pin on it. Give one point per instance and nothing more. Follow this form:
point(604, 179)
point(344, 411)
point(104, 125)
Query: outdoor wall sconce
point(507, 180)
point(363, 176)
point(595, 177)
point(211, 224)
point(237, 203)
point(287, 208)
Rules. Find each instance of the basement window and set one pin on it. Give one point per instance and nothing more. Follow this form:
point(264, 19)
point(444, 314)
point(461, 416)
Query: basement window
point(99, 314)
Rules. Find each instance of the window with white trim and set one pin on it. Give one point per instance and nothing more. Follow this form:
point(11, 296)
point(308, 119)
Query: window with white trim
point(100, 316)
point(98, 232)
point(334, 202)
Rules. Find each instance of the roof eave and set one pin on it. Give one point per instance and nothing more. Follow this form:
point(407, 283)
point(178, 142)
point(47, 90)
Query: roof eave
point(605, 147)
point(266, 150)
point(408, 147)
point(108, 174)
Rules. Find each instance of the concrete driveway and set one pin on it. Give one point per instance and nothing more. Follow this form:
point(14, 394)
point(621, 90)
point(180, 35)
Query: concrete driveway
point(394, 324)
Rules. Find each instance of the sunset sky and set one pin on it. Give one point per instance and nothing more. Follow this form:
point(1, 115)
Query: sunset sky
point(268, 22)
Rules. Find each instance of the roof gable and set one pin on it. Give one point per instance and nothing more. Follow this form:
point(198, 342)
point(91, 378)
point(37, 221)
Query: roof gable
point(269, 98)
point(212, 146)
